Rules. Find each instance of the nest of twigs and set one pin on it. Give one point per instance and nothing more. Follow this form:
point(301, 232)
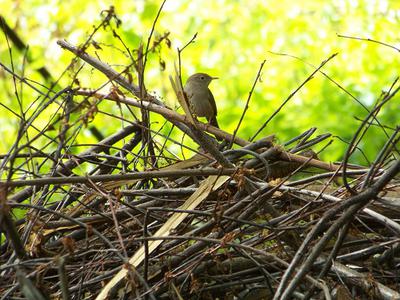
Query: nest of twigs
point(258, 222)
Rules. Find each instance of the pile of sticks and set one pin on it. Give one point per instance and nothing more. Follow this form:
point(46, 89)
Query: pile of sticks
point(257, 221)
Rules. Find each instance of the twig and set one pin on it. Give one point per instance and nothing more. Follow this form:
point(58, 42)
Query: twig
point(291, 95)
point(117, 177)
point(368, 40)
point(247, 104)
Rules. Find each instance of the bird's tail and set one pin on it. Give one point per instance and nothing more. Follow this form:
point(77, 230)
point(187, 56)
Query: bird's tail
point(213, 121)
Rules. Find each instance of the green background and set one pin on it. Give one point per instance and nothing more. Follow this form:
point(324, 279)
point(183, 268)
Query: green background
point(234, 37)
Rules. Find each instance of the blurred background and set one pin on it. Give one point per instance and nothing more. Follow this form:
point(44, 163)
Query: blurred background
point(233, 39)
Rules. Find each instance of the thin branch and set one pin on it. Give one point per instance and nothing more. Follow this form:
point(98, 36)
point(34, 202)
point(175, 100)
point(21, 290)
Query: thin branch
point(247, 103)
point(291, 95)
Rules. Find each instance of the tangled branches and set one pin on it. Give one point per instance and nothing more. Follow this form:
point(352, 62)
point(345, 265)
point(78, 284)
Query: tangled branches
point(128, 218)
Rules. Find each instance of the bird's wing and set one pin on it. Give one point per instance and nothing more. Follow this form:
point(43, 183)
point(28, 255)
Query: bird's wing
point(212, 100)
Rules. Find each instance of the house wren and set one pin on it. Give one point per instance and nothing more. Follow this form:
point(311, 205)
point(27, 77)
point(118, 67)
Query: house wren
point(201, 100)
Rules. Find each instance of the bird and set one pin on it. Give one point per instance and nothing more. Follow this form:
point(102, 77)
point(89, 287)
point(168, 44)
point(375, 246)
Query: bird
point(201, 100)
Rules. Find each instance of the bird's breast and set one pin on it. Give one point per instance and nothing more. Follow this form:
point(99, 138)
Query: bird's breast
point(201, 106)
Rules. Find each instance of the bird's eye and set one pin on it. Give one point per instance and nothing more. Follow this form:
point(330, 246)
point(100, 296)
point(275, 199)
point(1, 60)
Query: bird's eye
point(202, 77)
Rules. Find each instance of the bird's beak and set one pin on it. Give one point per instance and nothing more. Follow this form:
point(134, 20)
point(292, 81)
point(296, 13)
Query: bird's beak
point(212, 78)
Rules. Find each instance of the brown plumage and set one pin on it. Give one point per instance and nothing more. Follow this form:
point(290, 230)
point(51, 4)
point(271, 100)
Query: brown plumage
point(201, 100)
